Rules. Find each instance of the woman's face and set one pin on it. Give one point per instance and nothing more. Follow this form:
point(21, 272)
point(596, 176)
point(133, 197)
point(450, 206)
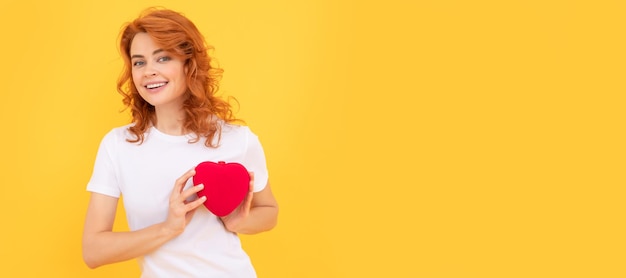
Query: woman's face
point(158, 75)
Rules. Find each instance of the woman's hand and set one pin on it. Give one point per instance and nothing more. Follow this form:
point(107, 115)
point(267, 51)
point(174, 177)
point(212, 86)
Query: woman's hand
point(180, 210)
point(233, 220)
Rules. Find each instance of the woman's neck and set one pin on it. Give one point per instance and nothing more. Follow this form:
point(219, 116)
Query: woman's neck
point(169, 121)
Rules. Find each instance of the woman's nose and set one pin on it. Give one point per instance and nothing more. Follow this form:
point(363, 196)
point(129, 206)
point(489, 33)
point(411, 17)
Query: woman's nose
point(150, 71)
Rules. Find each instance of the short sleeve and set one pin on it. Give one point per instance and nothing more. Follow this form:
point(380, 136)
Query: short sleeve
point(103, 179)
point(254, 161)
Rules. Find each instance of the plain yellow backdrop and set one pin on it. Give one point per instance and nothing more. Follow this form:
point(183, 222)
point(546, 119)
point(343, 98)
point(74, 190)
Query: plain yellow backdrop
point(403, 138)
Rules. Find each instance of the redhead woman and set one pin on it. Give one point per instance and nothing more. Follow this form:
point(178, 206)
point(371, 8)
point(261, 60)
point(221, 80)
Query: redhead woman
point(169, 85)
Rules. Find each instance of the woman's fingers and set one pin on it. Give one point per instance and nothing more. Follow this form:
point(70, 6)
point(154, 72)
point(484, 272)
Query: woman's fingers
point(248, 204)
point(251, 187)
point(190, 206)
point(179, 195)
point(248, 200)
point(191, 191)
point(180, 182)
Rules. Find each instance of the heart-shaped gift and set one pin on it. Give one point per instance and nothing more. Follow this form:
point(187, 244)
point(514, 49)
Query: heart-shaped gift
point(225, 185)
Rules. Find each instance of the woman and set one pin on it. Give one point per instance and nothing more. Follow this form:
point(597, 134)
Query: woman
point(169, 85)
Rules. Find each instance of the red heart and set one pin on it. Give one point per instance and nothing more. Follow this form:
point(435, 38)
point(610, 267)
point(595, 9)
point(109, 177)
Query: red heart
point(225, 185)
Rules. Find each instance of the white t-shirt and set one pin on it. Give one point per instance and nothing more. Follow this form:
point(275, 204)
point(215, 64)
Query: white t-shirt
point(145, 174)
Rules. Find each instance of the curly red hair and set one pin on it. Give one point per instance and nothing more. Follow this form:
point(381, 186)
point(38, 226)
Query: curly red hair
point(178, 35)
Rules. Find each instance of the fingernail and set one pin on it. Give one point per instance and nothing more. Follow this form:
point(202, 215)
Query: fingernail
point(200, 185)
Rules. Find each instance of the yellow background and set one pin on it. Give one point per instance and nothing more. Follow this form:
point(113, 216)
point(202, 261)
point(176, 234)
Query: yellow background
point(403, 138)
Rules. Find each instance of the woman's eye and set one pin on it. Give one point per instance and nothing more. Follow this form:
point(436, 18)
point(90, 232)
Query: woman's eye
point(138, 63)
point(164, 59)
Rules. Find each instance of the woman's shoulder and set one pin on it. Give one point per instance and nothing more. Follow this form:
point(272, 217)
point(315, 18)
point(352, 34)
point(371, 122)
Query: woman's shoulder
point(118, 133)
point(235, 129)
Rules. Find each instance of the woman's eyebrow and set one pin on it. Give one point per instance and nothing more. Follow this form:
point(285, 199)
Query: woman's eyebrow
point(141, 56)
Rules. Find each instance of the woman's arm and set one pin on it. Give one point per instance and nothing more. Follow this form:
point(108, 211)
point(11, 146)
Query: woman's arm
point(103, 246)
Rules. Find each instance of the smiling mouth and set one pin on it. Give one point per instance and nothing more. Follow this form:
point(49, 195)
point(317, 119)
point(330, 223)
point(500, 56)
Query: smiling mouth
point(155, 85)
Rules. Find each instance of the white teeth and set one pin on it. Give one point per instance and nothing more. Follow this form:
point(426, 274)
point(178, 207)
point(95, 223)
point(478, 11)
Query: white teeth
point(155, 85)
